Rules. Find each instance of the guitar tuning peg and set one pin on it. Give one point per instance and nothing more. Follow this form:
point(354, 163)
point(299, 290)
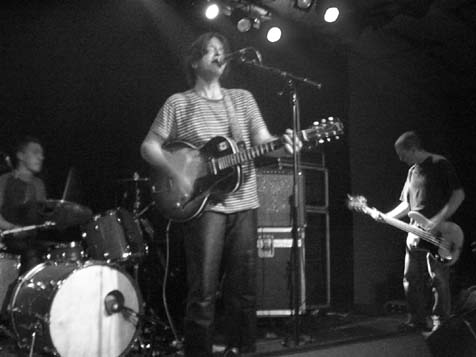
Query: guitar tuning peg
point(337, 137)
point(331, 118)
point(321, 141)
point(323, 121)
point(315, 123)
point(328, 139)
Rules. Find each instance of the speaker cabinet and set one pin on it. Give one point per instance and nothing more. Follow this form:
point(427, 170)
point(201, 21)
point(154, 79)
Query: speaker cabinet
point(275, 194)
point(275, 272)
point(275, 191)
point(317, 260)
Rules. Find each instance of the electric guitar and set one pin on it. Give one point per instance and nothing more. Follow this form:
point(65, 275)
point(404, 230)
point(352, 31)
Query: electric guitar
point(215, 169)
point(445, 245)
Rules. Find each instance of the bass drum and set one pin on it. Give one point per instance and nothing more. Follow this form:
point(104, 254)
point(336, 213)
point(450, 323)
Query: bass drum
point(91, 310)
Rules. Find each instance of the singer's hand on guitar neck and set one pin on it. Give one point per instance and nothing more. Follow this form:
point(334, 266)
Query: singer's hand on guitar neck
point(288, 138)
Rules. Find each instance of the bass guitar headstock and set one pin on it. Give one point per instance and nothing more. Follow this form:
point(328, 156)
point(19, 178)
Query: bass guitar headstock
point(357, 203)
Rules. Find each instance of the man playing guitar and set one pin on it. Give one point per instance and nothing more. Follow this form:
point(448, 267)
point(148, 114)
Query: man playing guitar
point(223, 237)
point(432, 189)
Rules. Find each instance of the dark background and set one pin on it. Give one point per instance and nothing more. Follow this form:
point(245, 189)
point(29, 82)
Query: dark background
point(88, 77)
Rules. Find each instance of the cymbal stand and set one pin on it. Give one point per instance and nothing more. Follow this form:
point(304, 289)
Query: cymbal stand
point(36, 328)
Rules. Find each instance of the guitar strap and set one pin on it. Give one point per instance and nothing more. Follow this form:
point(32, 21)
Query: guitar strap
point(234, 125)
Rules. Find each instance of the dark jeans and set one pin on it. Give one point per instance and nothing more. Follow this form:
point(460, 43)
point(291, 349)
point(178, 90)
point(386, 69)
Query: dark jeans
point(217, 244)
point(424, 277)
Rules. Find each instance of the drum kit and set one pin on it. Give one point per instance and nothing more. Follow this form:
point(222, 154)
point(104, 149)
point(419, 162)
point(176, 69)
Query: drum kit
point(84, 299)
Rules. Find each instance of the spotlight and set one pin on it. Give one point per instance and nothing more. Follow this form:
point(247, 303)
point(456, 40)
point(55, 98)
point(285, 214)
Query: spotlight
point(331, 14)
point(303, 4)
point(212, 10)
point(244, 24)
point(274, 34)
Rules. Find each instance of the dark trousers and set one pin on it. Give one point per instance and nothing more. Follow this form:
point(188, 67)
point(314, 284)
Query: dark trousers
point(426, 278)
point(221, 245)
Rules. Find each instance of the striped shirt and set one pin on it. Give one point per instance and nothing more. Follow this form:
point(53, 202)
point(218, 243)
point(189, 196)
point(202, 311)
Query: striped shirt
point(190, 117)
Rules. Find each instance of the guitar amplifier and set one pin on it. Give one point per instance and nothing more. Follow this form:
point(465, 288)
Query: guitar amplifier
point(275, 194)
point(274, 272)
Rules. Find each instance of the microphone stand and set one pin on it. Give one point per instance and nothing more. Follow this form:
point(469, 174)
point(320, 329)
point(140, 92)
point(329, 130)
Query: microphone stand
point(299, 221)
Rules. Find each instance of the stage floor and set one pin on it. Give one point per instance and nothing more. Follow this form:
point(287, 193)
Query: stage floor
point(277, 336)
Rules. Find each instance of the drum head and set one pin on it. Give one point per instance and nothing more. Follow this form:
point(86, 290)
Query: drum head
point(80, 325)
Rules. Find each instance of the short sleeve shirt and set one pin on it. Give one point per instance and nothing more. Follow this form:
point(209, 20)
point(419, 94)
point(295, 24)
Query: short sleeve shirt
point(429, 185)
point(188, 116)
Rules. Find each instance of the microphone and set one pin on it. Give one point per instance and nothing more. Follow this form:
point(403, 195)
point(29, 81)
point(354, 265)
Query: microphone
point(114, 302)
point(237, 54)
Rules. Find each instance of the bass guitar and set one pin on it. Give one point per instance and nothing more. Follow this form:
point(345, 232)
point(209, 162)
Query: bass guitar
point(215, 169)
point(444, 245)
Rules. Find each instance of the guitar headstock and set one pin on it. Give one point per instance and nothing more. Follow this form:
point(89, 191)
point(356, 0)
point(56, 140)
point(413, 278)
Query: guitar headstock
point(357, 203)
point(324, 130)
point(48, 224)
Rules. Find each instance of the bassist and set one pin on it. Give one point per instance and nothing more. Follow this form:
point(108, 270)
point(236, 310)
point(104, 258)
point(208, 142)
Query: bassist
point(223, 237)
point(432, 189)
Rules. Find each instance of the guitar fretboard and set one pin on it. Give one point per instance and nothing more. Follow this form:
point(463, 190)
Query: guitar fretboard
point(247, 155)
point(414, 230)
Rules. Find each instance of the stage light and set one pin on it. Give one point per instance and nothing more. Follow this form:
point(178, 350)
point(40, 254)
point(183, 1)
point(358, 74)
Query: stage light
point(274, 34)
point(331, 14)
point(212, 10)
point(303, 4)
point(244, 24)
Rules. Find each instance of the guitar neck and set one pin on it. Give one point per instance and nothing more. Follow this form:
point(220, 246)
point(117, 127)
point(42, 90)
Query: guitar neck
point(248, 154)
point(406, 227)
point(319, 132)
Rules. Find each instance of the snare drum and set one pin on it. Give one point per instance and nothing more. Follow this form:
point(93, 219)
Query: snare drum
point(71, 252)
point(113, 236)
point(70, 309)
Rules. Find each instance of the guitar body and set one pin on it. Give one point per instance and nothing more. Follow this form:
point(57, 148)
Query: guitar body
point(448, 232)
point(180, 203)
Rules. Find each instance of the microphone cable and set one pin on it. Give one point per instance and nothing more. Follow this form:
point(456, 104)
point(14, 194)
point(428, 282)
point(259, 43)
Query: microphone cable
point(164, 285)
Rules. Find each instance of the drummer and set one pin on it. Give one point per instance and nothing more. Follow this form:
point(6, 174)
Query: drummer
point(20, 189)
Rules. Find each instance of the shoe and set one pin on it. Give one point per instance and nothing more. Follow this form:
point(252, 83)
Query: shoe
point(437, 321)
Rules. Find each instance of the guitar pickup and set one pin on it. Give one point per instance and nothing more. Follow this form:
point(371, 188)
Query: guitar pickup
point(213, 166)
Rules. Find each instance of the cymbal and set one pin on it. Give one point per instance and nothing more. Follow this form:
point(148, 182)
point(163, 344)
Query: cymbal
point(133, 179)
point(64, 213)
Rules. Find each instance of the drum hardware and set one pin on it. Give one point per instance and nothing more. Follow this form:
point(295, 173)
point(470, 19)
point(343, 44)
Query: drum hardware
point(36, 328)
point(134, 186)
